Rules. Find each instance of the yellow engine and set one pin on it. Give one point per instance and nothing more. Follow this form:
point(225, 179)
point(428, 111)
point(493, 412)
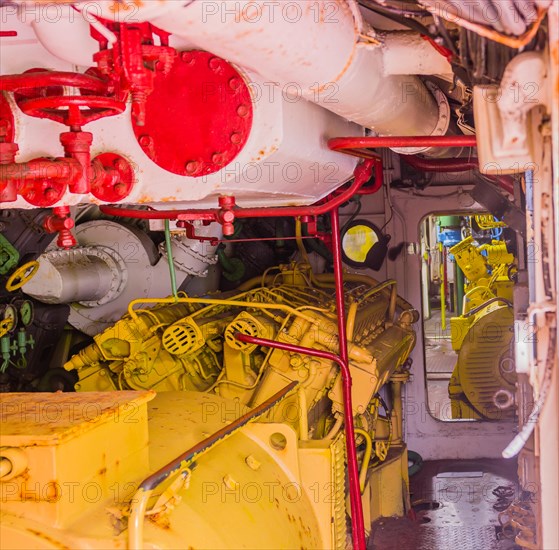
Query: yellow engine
point(483, 381)
point(242, 446)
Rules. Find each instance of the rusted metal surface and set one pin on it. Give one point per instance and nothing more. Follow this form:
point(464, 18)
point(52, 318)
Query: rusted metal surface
point(48, 418)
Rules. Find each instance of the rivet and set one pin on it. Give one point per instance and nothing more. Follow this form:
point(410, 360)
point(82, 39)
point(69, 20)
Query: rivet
point(145, 140)
point(252, 463)
point(234, 83)
point(230, 483)
point(120, 164)
point(187, 57)
point(242, 111)
point(217, 158)
point(192, 166)
point(50, 194)
point(235, 138)
point(119, 189)
point(214, 64)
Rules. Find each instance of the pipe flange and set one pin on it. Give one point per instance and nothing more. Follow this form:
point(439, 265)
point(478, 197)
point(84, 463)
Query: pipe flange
point(119, 273)
point(443, 121)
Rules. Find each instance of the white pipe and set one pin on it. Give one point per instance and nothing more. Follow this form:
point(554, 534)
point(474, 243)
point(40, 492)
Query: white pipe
point(63, 31)
point(65, 282)
point(410, 53)
point(317, 48)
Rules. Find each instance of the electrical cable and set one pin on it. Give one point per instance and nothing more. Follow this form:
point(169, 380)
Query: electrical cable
point(389, 200)
point(516, 445)
point(357, 199)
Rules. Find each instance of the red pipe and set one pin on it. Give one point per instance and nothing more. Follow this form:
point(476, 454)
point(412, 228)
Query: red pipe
point(357, 146)
point(61, 168)
point(441, 165)
point(456, 165)
point(357, 524)
point(362, 174)
point(358, 531)
point(377, 185)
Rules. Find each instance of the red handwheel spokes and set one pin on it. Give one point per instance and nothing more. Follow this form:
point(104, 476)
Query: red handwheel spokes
point(73, 111)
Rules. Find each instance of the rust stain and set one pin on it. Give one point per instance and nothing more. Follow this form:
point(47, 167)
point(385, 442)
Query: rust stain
point(46, 537)
point(161, 520)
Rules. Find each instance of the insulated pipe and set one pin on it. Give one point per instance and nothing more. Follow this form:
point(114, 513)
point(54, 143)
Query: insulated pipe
point(69, 38)
point(321, 51)
point(73, 280)
point(362, 174)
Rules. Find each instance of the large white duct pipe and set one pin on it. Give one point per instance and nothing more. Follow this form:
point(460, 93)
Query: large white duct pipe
point(63, 31)
point(319, 49)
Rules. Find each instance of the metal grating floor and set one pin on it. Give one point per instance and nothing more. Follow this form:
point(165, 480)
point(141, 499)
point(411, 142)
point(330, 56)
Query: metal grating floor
point(465, 520)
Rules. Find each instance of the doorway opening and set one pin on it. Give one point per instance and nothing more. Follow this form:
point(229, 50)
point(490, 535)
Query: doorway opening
point(468, 273)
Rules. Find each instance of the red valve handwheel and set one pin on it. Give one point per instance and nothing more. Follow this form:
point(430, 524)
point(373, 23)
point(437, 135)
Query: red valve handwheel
point(68, 109)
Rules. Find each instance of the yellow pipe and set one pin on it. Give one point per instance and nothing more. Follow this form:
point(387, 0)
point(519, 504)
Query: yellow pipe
point(350, 323)
point(213, 301)
point(443, 297)
point(366, 458)
point(136, 521)
point(303, 419)
point(304, 255)
point(402, 304)
point(393, 295)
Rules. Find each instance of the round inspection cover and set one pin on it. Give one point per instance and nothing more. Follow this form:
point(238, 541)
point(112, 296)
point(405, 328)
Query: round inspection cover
point(198, 117)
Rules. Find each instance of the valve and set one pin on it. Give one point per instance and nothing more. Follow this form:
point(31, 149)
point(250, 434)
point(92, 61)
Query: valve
point(42, 182)
point(60, 222)
point(21, 276)
point(226, 216)
point(131, 63)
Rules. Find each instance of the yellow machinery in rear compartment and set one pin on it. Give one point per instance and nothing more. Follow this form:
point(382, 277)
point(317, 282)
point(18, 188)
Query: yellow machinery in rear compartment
point(273, 476)
point(483, 381)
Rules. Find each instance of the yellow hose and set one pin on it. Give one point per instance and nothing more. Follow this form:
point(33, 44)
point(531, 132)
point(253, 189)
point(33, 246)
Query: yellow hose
point(366, 457)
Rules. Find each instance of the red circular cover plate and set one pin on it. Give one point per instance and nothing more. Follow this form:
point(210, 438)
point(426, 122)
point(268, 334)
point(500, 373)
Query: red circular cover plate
point(198, 117)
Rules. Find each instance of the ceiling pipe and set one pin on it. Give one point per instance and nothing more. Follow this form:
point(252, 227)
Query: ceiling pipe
point(506, 183)
point(322, 51)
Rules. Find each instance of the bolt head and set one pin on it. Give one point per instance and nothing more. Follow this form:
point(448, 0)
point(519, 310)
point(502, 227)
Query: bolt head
point(119, 189)
point(242, 111)
point(187, 57)
point(145, 140)
point(192, 166)
point(214, 64)
point(50, 194)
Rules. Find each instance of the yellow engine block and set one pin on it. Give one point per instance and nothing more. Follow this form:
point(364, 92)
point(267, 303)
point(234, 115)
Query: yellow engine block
point(242, 446)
